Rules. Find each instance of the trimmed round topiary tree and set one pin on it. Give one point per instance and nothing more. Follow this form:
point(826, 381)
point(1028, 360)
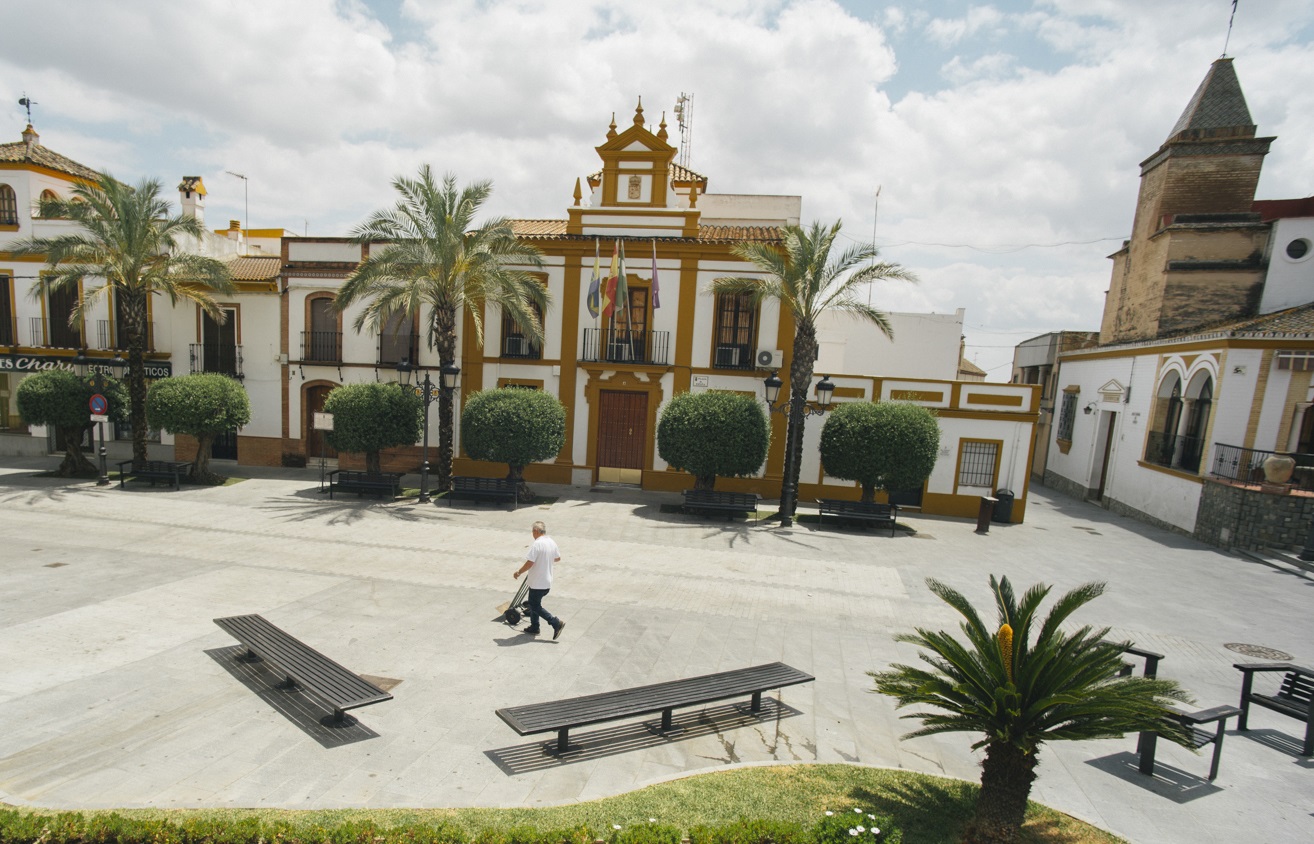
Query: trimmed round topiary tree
point(371, 416)
point(60, 399)
point(713, 434)
point(204, 406)
point(514, 426)
point(884, 445)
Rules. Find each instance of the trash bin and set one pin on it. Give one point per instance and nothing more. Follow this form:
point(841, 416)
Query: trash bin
point(1003, 506)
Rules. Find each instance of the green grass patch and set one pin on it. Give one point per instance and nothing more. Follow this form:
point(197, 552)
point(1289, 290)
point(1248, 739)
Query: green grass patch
point(928, 809)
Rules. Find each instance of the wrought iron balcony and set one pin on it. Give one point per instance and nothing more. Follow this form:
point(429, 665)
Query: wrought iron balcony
point(55, 334)
point(112, 335)
point(1174, 452)
point(734, 356)
point(617, 345)
point(217, 357)
point(321, 346)
point(516, 346)
point(1246, 465)
point(394, 348)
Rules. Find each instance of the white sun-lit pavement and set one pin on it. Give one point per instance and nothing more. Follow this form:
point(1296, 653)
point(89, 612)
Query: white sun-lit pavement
point(118, 690)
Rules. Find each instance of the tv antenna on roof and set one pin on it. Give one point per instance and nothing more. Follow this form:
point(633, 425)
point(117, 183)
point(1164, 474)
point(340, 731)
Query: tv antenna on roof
point(27, 103)
point(684, 116)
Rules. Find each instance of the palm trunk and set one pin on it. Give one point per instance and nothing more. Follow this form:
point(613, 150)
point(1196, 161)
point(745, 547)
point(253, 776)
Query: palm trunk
point(800, 376)
point(444, 328)
point(134, 313)
point(1001, 806)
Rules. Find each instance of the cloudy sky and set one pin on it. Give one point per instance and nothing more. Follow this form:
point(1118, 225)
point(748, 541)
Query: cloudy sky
point(1004, 137)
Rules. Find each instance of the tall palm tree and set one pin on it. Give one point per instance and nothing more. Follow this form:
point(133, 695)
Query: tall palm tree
point(802, 275)
point(1021, 693)
point(126, 236)
point(428, 255)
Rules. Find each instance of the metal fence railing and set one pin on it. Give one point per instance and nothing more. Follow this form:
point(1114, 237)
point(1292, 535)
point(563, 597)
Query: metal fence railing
point(615, 345)
point(1246, 465)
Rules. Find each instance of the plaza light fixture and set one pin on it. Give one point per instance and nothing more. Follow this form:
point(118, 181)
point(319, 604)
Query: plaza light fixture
point(795, 412)
point(448, 373)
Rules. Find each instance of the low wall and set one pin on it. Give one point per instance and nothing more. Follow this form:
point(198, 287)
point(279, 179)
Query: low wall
point(1249, 518)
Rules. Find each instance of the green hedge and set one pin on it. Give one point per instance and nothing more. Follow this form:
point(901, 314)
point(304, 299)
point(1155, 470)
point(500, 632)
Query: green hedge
point(840, 827)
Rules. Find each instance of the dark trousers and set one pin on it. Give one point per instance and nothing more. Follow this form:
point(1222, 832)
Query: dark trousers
point(536, 610)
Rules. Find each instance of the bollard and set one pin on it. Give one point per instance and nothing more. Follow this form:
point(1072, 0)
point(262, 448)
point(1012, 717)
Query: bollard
point(985, 513)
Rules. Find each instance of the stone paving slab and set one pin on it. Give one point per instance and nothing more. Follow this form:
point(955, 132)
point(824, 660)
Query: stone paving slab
point(118, 690)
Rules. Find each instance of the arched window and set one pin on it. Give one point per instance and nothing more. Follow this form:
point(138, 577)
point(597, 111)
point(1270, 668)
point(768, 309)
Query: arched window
point(8, 206)
point(1161, 444)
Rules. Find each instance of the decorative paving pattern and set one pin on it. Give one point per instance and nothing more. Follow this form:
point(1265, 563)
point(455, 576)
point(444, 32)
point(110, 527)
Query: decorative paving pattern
point(1258, 651)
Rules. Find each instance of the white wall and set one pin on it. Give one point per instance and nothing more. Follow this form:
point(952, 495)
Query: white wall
point(1290, 281)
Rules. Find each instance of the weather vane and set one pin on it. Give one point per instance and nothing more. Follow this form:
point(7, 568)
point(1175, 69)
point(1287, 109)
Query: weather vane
point(27, 103)
point(1229, 28)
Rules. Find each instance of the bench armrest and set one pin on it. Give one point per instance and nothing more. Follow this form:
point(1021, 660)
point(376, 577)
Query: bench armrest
point(1141, 652)
point(1207, 716)
point(1249, 667)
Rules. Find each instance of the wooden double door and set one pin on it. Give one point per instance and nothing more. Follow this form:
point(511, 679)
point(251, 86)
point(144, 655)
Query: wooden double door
point(622, 436)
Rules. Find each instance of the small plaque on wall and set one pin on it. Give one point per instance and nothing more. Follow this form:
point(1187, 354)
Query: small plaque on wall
point(323, 421)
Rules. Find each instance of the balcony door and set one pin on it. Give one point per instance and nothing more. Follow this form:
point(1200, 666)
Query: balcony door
point(59, 305)
point(219, 343)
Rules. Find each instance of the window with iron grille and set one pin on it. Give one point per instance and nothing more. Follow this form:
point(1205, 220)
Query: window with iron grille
point(1067, 416)
point(977, 464)
point(735, 331)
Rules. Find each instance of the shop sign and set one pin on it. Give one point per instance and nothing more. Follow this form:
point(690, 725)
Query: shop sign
point(43, 363)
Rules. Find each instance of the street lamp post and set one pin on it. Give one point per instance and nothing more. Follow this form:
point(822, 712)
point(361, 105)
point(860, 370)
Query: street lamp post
point(425, 390)
point(795, 412)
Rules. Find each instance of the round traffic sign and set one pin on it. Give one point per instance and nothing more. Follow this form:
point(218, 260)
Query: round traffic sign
point(99, 404)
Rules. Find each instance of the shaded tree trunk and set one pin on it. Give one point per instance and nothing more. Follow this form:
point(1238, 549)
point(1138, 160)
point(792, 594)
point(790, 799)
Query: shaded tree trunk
point(373, 465)
point(707, 482)
point(201, 473)
point(134, 316)
point(516, 474)
point(800, 377)
point(75, 463)
point(1001, 806)
point(868, 493)
point(444, 336)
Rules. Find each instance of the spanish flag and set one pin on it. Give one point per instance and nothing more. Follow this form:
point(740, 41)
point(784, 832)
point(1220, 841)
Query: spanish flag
point(609, 286)
point(594, 298)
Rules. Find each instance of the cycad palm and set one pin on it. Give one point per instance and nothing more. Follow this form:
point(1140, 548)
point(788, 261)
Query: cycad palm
point(1021, 693)
point(802, 275)
point(127, 237)
point(428, 254)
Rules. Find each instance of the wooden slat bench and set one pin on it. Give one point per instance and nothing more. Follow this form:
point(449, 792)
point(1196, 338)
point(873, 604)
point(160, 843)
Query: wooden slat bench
point(302, 666)
point(483, 489)
point(153, 470)
point(387, 483)
point(858, 511)
point(708, 501)
point(561, 716)
point(1292, 698)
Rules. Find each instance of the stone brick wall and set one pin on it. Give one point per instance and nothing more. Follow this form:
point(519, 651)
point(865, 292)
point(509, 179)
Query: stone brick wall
point(1250, 519)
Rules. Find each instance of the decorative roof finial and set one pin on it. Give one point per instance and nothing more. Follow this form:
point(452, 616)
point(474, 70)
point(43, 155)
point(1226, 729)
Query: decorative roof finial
point(611, 131)
point(661, 132)
point(579, 193)
point(693, 193)
point(638, 113)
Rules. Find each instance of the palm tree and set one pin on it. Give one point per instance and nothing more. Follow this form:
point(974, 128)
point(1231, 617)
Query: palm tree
point(126, 236)
point(803, 277)
point(428, 255)
point(1020, 694)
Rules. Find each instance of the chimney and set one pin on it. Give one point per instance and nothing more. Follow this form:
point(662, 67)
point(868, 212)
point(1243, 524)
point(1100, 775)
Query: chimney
point(30, 137)
point(191, 197)
point(234, 230)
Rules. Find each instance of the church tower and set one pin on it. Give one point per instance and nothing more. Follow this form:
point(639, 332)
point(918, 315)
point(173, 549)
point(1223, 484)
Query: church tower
point(1195, 256)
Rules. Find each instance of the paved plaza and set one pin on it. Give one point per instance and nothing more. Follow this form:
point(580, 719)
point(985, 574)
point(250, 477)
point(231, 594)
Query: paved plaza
point(118, 690)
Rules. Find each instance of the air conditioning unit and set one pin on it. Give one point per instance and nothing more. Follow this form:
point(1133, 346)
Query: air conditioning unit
point(727, 355)
point(516, 346)
point(770, 358)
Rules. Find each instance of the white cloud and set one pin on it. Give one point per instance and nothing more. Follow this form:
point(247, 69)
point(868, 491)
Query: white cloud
point(948, 32)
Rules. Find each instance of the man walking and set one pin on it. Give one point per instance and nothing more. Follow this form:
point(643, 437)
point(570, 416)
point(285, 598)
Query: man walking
point(543, 554)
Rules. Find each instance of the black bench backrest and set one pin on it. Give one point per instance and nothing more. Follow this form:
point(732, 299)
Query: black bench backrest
point(1297, 688)
point(464, 484)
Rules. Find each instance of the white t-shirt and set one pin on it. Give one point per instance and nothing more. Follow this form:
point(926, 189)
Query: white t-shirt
point(542, 553)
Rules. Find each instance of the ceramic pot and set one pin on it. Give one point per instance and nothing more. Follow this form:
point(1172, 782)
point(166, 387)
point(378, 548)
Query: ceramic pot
point(1278, 468)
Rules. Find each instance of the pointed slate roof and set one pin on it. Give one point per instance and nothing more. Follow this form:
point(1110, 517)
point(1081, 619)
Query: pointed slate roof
point(30, 152)
point(1218, 108)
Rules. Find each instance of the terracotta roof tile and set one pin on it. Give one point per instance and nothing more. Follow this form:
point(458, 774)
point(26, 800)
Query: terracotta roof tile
point(1297, 320)
point(21, 153)
point(254, 269)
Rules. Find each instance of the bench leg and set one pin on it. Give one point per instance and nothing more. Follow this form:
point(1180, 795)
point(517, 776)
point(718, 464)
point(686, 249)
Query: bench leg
point(1147, 744)
point(756, 705)
point(1308, 749)
point(562, 744)
point(1218, 749)
point(1246, 684)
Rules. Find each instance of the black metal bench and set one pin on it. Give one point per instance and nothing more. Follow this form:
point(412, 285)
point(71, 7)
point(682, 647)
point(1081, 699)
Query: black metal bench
point(483, 489)
point(302, 666)
point(561, 716)
point(153, 470)
point(858, 511)
point(1292, 698)
point(1198, 737)
point(386, 483)
point(708, 501)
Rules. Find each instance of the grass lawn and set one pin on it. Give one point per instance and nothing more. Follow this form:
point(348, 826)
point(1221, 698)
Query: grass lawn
point(930, 810)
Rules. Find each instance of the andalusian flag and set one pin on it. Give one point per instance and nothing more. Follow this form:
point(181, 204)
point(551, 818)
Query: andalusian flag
point(656, 289)
point(594, 298)
point(609, 286)
point(622, 289)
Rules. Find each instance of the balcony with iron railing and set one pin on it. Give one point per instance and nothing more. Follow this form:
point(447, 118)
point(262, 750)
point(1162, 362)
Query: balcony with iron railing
point(1174, 452)
point(1246, 465)
point(394, 348)
point(520, 348)
point(621, 346)
point(217, 357)
point(321, 346)
point(54, 334)
point(734, 356)
point(111, 335)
